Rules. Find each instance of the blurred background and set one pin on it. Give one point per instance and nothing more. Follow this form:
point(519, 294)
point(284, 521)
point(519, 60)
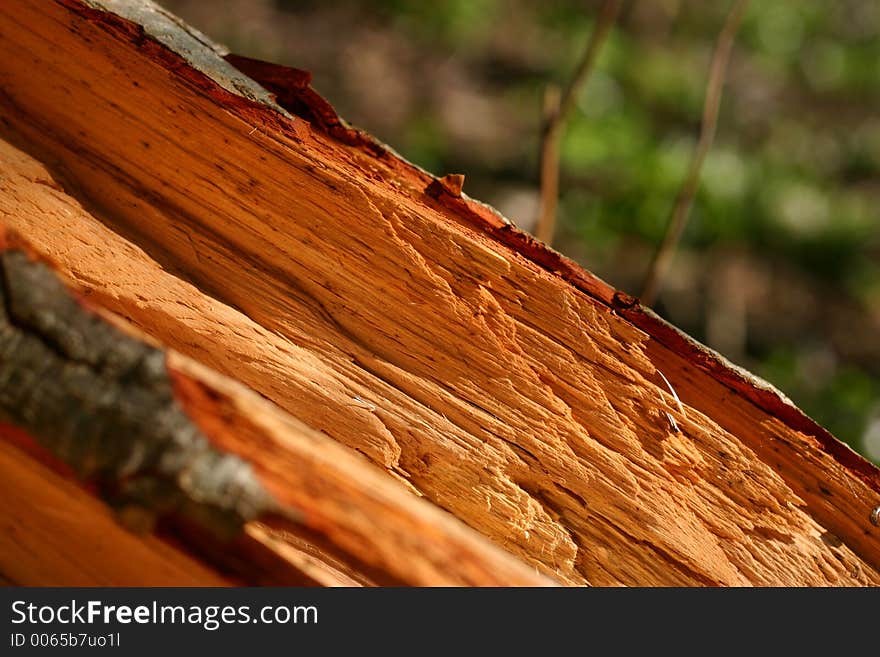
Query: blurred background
point(779, 267)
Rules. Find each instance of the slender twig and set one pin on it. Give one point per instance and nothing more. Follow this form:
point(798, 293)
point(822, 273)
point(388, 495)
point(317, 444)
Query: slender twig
point(556, 111)
point(684, 200)
point(549, 167)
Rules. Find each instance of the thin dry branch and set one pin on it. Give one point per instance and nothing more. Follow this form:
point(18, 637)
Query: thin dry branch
point(549, 167)
point(717, 73)
point(556, 112)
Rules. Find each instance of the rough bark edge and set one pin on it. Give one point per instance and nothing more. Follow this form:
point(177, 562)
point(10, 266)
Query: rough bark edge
point(55, 349)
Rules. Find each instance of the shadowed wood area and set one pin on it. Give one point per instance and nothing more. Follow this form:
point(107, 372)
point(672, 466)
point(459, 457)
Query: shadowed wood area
point(388, 311)
point(79, 543)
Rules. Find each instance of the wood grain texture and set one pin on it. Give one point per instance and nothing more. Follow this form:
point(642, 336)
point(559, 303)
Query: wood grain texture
point(325, 515)
point(417, 329)
point(362, 516)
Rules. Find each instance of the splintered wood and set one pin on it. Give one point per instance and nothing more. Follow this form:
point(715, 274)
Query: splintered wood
point(156, 434)
point(581, 437)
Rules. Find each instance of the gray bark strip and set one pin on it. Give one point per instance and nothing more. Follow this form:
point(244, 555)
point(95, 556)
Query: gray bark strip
point(102, 402)
point(198, 50)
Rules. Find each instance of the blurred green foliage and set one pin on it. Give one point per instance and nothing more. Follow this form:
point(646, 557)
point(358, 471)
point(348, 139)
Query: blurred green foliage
point(779, 267)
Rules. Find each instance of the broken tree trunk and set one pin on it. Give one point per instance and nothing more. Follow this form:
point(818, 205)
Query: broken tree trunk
point(161, 438)
point(221, 208)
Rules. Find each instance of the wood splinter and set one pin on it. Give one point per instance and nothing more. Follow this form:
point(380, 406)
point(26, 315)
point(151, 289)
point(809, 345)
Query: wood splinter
point(451, 184)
